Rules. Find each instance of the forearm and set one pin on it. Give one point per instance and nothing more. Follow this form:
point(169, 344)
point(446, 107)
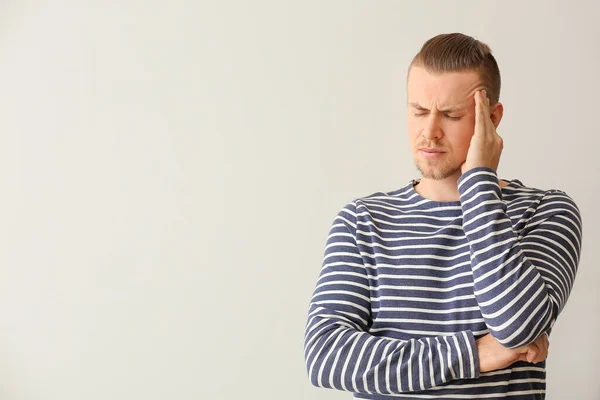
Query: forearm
point(343, 358)
point(516, 301)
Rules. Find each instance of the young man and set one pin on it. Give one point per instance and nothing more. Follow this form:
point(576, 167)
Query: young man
point(448, 287)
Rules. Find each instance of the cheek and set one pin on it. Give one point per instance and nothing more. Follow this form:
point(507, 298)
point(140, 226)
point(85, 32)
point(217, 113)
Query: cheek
point(413, 130)
point(463, 137)
point(457, 136)
point(464, 130)
point(412, 125)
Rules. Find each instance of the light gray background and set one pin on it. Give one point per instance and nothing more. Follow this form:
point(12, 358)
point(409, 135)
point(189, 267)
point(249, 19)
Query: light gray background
point(170, 170)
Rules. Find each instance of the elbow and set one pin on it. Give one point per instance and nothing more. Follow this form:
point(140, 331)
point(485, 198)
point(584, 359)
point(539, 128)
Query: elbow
point(524, 327)
point(522, 333)
point(516, 338)
point(313, 380)
point(312, 363)
point(315, 359)
point(312, 374)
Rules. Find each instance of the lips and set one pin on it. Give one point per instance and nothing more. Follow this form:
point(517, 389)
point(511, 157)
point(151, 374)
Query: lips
point(431, 153)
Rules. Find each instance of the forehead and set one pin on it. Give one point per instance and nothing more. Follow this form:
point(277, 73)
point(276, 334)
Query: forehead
point(448, 88)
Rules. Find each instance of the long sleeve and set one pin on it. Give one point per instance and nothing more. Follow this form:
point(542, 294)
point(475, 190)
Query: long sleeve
point(522, 280)
point(339, 351)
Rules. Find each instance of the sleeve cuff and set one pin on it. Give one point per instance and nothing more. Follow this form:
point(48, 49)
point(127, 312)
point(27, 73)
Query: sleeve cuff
point(475, 181)
point(466, 364)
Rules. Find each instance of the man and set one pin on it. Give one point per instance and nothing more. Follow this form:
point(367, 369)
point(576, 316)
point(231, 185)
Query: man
point(448, 287)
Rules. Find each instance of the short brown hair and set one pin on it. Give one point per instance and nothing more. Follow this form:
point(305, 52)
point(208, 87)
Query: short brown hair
point(456, 52)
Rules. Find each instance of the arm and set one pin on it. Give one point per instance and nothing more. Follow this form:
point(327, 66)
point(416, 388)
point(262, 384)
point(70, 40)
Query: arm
point(521, 282)
point(339, 351)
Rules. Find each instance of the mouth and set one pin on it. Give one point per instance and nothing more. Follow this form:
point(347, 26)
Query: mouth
point(428, 152)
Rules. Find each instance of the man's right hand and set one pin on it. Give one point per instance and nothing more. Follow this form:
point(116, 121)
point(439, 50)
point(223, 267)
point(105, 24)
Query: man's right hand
point(494, 356)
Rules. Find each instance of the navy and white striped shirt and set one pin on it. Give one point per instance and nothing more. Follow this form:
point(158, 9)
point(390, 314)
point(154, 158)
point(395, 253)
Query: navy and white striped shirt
point(408, 284)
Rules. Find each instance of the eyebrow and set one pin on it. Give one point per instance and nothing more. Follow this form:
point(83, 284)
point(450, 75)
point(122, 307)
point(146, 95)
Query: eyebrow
point(445, 110)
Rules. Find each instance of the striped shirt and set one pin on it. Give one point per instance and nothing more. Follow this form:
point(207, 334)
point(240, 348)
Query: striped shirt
point(408, 284)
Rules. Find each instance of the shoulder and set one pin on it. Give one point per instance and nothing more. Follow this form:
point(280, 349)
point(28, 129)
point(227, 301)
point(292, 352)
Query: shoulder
point(541, 205)
point(378, 202)
point(516, 191)
point(554, 197)
point(393, 197)
point(556, 201)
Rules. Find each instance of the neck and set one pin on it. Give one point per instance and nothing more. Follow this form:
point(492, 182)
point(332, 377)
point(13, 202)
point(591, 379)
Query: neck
point(442, 190)
point(439, 190)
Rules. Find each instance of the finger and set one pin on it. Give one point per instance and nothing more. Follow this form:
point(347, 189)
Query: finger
point(531, 356)
point(546, 338)
point(485, 114)
point(533, 352)
point(542, 341)
point(487, 99)
point(540, 353)
point(539, 357)
point(545, 344)
point(543, 349)
point(484, 100)
point(480, 125)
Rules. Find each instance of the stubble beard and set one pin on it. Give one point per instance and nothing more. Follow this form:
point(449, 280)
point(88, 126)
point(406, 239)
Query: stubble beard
point(436, 169)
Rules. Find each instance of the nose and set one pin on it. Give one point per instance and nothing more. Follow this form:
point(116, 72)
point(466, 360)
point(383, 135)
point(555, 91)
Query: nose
point(432, 129)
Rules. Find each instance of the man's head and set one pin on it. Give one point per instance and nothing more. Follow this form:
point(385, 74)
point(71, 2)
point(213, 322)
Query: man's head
point(441, 82)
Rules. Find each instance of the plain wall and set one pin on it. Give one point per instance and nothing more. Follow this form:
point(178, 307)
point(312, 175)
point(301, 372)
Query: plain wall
point(170, 171)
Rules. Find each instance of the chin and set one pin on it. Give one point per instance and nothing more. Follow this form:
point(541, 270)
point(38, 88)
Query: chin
point(437, 173)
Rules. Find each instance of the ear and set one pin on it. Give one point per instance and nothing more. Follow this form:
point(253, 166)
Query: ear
point(497, 110)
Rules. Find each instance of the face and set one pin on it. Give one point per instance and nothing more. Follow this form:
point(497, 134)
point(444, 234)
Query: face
point(441, 116)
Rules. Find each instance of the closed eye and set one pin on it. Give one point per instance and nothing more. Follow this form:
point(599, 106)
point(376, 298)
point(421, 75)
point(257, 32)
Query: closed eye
point(447, 116)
